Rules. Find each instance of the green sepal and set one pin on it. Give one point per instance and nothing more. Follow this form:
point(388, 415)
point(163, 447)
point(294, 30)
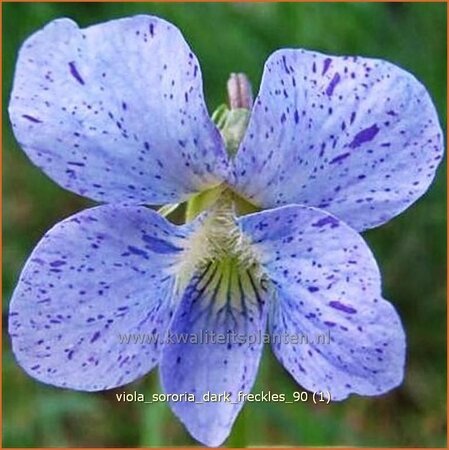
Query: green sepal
point(234, 129)
point(232, 124)
point(219, 116)
point(202, 201)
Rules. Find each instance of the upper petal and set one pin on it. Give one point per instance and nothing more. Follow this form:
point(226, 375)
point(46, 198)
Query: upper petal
point(96, 279)
point(330, 326)
point(355, 136)
point(215, 347)
point(116, 111)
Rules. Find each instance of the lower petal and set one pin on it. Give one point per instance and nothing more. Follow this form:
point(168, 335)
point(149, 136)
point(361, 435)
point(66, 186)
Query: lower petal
point(329, 351)
point(329, 326)
point(215, 347)
point(93, 285)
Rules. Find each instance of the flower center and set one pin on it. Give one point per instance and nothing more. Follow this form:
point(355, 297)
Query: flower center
point(219, 244)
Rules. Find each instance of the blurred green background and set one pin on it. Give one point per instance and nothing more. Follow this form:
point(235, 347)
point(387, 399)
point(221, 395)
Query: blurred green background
point(410, 250)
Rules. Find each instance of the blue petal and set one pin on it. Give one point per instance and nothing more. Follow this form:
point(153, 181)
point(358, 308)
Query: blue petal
point(116, 112)
point(357, 137)
point(216, 347)
point(330, 326)
point(95, 280)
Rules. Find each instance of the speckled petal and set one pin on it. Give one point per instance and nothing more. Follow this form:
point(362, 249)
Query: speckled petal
point(116, 112)
point(329, 325)
point(357, 137)
point(94, 279)
point(215, 348)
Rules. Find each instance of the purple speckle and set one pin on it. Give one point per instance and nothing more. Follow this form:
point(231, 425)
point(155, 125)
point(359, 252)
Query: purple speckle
point(352, 118)
point(332, 84)
point(95, 336)
point(329, 220)
point(363, 136)
point(326, 65)
point(75, 73)
point(339, 158)
point(284, 62)
point(159, 246)
point(296, 115)
point(31, 118)
point(138, 252)
point(342, 307)
point(57, 263)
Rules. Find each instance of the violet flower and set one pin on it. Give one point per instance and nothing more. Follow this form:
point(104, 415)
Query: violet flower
point(336, 145)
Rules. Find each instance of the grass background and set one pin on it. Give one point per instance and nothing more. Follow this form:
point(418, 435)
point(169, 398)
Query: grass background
point(410, 250)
